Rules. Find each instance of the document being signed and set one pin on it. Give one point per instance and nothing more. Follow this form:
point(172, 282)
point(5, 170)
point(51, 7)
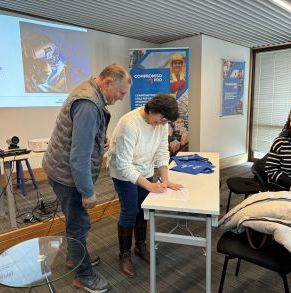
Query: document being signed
point(182, 194)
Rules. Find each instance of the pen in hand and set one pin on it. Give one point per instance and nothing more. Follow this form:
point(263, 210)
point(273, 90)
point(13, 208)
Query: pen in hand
point(161, 182)
point(157, 187)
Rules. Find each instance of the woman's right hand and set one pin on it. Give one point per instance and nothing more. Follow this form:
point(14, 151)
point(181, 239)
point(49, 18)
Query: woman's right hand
point(157, 187)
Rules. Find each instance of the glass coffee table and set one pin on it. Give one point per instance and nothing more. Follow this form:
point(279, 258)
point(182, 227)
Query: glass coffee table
point(37, 262)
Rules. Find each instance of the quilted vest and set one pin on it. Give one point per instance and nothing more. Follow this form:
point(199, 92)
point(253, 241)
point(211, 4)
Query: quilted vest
point(56, 159)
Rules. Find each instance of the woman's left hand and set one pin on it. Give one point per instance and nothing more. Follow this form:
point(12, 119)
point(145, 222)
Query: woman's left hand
point(174, 186)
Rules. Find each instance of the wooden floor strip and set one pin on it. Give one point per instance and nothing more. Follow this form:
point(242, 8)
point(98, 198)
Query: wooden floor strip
point(55, 226)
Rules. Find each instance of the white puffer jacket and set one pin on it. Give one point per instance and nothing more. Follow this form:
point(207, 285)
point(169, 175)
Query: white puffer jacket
point(266, 212)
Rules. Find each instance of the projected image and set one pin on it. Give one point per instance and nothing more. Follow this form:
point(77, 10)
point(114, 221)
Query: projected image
point(55, 60)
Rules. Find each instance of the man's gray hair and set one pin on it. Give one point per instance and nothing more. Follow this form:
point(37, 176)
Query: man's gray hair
point(116, 72)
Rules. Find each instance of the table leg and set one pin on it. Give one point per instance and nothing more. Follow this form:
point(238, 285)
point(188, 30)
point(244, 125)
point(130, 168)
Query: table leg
point(49, 284)
point(51, 288)
point(152, 252)
point(208, 254)
point(9, 194)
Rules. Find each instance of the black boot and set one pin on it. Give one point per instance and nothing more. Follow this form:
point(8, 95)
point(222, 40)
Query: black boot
point(140, 233)
point(125, 240)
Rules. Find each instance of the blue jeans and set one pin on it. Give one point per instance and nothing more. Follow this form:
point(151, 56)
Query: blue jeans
point(77, 225)
point(131, 197)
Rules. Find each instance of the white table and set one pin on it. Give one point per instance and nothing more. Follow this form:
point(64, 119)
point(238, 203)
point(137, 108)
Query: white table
point(201, 204)
point(8, 165)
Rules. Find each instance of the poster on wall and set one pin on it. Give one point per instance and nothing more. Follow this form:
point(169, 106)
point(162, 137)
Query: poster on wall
point(165, 71)
point(232, 88)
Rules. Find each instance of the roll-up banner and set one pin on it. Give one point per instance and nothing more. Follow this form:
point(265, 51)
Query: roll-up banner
point(164, 71)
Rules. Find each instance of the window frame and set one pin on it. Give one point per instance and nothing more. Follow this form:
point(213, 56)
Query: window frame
point(254, 53)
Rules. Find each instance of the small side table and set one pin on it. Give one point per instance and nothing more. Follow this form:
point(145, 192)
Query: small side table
point(37, 262)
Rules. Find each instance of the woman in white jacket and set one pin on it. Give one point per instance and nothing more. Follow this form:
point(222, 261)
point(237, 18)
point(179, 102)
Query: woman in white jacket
point(140, 142)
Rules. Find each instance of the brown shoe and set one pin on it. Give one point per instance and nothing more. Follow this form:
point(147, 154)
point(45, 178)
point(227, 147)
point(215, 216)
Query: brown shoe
point(126, 265)
point(141, 251)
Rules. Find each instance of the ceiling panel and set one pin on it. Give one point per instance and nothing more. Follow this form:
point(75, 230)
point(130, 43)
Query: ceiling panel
point(251, 23)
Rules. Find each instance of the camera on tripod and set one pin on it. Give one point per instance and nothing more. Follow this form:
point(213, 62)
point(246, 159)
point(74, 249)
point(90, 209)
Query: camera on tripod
point(13, 142)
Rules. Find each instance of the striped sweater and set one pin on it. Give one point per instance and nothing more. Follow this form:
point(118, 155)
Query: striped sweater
point(278, 164)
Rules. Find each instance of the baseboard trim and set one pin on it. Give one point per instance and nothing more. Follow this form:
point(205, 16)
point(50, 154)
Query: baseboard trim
point(38, 173)
point(233, 161)
point(56, 226)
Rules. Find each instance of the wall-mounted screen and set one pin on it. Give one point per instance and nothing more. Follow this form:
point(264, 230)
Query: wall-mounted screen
point(40, 62)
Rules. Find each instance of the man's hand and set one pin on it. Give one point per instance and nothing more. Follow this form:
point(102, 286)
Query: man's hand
point(89, 202)
point(106, 144)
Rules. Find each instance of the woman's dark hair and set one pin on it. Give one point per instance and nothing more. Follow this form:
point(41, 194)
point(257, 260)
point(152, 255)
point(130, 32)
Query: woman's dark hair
point(286, 131)
point(163, 104)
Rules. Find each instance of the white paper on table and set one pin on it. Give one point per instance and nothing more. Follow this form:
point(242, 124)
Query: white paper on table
point(181, 195)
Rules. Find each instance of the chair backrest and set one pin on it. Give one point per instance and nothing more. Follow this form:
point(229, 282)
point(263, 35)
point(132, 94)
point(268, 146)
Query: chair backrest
point(258, 169)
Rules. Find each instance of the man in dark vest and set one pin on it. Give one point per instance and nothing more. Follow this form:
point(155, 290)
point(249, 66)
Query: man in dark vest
point(73, 161)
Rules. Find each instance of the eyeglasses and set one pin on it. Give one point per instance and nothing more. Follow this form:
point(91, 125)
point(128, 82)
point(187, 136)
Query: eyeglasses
point(164, 120)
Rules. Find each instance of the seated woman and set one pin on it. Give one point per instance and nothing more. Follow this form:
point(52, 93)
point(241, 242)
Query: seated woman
point(278, 164)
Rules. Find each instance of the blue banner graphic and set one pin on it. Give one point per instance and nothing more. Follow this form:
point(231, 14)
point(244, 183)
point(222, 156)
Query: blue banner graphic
point(147, 83)
point(166, 71)
point(233, 88)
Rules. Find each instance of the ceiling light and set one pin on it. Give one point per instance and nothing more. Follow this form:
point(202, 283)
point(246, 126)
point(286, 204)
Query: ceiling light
point(283, 4)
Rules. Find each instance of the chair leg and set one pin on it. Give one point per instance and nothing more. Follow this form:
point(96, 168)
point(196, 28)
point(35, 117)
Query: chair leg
point(228, 202)
point(237, 267)
point(226, 259)
point(286, 287)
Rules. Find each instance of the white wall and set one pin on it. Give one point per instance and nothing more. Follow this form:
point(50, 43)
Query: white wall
point(227, 135)
point(207, 130)
point(38, 122)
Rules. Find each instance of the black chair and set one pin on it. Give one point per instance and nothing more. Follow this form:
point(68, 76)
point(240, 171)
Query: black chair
point(241, 185)
point(258, 169)
point(248, 186)
point(273, 257)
